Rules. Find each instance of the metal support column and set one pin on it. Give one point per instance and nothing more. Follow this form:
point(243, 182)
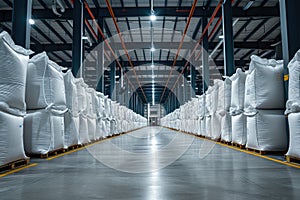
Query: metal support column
point(100, 58)
point(205, 66)
point(77, 38)
point(112, 90)
point(193, 81)
point(20, 22)
point(228, 46)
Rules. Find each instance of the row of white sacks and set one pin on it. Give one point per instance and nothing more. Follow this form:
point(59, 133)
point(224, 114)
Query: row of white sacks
point(53, 109)
point(247, 108)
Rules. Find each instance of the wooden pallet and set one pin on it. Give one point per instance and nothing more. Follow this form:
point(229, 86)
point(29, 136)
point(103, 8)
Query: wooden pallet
point(49, 154)
point(225, 142)
point(261, 152)
point(14, 164)
point(75, 146)
point(241, 146)
point(292, 159)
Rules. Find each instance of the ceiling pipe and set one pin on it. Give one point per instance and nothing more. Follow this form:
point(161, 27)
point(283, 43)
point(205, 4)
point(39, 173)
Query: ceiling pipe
point(180, 46)
point(200, 40)
point(124, 46)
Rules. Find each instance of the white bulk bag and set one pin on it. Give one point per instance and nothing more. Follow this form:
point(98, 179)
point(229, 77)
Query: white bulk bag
point(44, 84)
point(266, 131)
point(82, 100)
point(71, 93)
point(208, 126)
point(294, 126)
point(264, 84)
point(91, 102)
point(237, 92)
point(44, 131)
point(226, 128)
point(208, 102)
point(239, 130)
point(83, 129)
point(293, 103)
point(91, 122)
point(227, 93)
point(215, 126)
point(71, 129)
point(13, 61)
point(221, 96)
point(11, 138)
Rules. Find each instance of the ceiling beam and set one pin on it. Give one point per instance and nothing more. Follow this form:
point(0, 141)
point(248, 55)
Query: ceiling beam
point(200, 11)
point(158, 45)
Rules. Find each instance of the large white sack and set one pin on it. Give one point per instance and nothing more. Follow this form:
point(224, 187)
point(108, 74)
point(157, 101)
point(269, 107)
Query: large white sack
point(91, 122)
point(227, 93)
point(208, 101)
point(237, 92)
point(13, 62)
point(11, 138)
point(215, 126)
point(266, 131)
point(294, 141)
point(226, 128)
point(71, 123)
point(264, 84)
point(221, 96)
point(44, 84)
point(215, 95)
point(239, 129)
point(208, 127)
point(81, 92)
point(91, 102)
point(100, 107)
point(83, 129)
point(43, 131)
point(71, 93)
point(293, 103)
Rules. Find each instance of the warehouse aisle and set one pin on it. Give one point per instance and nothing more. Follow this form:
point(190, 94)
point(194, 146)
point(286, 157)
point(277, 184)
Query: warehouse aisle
point(223, 173)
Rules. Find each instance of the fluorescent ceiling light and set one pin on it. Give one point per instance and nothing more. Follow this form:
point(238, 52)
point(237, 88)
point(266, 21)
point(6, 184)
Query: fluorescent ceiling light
point(85, 37)
point(152, 49)
point(152, 17)
point(221, 36)
point(31, 21)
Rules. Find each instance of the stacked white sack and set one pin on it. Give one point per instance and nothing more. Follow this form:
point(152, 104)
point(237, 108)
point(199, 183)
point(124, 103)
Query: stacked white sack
point(71, 118)
point(45, 86)
point(13, 70)
point(14, 60)
point(82, 109)
point(264, 103)
point(226, 126)
point(43, 131)
point(293, 106)
point(239, 133)
point(11, 138)
point(266, 131)
point(216, 108)
point(91, 113)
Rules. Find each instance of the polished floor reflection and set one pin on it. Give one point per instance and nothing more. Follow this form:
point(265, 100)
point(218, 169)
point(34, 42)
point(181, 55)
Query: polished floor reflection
point(154, 163)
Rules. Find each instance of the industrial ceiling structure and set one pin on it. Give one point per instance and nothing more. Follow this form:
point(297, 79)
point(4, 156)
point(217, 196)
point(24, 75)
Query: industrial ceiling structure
point(256, 30)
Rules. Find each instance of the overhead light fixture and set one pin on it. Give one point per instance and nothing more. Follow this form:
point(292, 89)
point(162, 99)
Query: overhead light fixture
point(117, 76)
point(152, 65)
point(152, 17)
point(248, 5)
point(152, 49)
point(221, 37)
point(84, 37)
point(31, 21)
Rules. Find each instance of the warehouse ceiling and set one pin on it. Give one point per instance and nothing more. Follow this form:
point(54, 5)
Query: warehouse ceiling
point(256, 31)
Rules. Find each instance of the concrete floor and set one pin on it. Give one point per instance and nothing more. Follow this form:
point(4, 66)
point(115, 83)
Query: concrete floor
point(154, 163)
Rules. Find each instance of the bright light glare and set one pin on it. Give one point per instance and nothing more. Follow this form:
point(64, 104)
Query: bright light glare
point(152, 17)
point(152, 49)
point(31, 21)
